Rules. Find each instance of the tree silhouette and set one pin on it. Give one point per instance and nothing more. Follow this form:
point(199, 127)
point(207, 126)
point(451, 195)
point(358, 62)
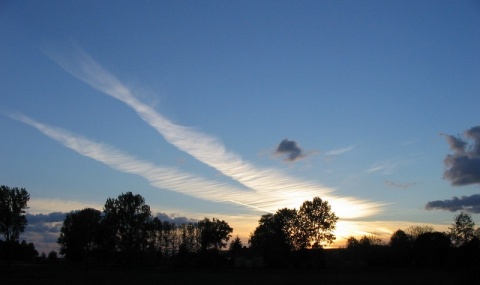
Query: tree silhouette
point(190, 235)
point(215, 233)
point(288, 223)
point(317, 222)
point(235, 245)
point(52, 256)
point(401, 245)
point(270, 237)
point(126, 232)
point(400, 240)
point(463, 229)
point(370, 240)
point(13, 202)
point(414, 231)
point(156, 232)
point(290, 230)
point(80, 234)
point(129, 216)
point(168, 240)
point(19, 250)
point(432, 248)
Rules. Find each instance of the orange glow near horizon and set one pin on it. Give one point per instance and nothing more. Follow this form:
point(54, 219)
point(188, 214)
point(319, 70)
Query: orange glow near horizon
point(244, 225)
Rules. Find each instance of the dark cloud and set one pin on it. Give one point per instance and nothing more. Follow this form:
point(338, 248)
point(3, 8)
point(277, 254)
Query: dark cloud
point(43, 230)
point(46, 218)
point(291, 149)
point(456, 143)
point(465, 203)
point(463, 166)
point(45, 223)
point(174, 219)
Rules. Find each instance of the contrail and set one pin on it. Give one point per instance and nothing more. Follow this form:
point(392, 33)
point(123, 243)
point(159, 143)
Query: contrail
point(256, 208)
point(275, 188)
point(203, 147)
point(160, 177)
point(174, 180)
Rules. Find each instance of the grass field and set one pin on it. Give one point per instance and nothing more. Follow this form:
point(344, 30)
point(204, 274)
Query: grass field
point(70, 275)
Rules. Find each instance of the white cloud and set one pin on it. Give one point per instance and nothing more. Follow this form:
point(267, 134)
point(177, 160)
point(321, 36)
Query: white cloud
point(340, 150)
point(203, 147)
point(162, 177)
point(385, 167)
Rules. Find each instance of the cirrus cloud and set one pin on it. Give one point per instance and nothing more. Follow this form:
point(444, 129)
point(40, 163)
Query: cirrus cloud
point(271, 189)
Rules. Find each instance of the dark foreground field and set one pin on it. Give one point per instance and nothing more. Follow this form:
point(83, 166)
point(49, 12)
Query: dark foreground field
point(70, 275)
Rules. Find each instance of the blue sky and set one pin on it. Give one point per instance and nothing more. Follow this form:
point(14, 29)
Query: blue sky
point(187, 102)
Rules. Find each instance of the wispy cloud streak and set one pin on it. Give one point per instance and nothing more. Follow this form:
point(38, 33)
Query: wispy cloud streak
point(161, 177)
point(339, 151)
point(273, 188)
point(204, 148)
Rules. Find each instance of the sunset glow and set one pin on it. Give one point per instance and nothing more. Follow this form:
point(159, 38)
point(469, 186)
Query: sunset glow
point(235, 110)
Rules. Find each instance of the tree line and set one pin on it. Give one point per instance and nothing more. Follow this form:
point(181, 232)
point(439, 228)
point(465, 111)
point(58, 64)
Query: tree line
point(419, 246)
point(127, 233)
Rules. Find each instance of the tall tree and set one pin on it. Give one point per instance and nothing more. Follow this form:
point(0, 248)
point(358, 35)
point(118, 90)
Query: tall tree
point(270, 237)
point(214, 233)
point(267, 233)
point(80, 234)
point(13, 203)
point(156, 233)
point(235, 245)
point(190, 237)
point(317, 221)
point(289, 229)
point(130, 218)
point(287, 223)
point(169, 238)
point(278, 231)
point(463, 229)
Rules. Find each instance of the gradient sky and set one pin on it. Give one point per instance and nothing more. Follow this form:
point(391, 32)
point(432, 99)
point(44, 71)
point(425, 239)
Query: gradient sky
point(233, 109)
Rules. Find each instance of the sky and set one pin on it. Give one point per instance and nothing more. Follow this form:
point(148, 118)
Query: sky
point(234, 109)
